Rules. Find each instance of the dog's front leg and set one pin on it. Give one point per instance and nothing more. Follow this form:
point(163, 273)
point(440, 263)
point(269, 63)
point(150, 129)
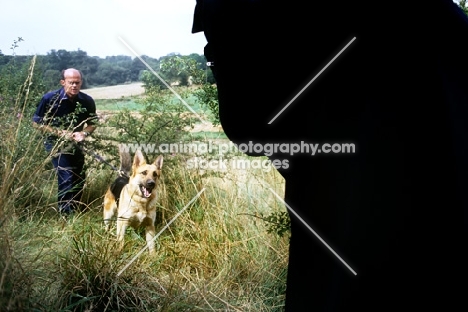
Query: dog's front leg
point(122, 226)
point(110, 208)
point(150, 233)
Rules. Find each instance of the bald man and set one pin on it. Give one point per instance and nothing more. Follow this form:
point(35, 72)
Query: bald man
point(67, 114)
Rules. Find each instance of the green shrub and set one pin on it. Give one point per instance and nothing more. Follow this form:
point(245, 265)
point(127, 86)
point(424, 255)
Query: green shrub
point(208, 96)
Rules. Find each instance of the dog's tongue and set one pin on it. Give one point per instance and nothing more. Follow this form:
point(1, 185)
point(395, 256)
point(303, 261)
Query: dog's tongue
point(145, 192)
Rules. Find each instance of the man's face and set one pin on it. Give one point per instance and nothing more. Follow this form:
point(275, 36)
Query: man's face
point(72, 84)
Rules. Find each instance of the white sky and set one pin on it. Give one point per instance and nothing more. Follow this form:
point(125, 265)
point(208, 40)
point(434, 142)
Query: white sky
point(150, 27)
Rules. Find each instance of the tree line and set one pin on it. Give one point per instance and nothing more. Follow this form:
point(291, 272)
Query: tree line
point(113, 70)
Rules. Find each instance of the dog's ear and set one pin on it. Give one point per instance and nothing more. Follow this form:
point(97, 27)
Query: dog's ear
point(139, 159)
point(158, 162)
point(125, 160)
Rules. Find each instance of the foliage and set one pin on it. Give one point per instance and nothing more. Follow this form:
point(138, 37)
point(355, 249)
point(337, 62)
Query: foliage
point(278, 223)
point(464, 6)
point(20, 88)
point(182, 70)
point(20, 91)
point(208, 97)
point(160, 121)
point(150, 80)
point(15, 288)
point(179, 69)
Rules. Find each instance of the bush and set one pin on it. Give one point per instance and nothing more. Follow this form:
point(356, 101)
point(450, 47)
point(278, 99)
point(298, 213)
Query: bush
point(208, 96)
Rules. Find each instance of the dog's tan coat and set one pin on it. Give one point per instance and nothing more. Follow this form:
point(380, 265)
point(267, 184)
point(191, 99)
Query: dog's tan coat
point(137, 202)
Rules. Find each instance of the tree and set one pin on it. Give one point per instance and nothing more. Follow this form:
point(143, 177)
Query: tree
point(208, 97)
point(109, 74)
point(136, 69)
point(112, 70)
point(64, 59)
point(182, 69)
point(51, 79)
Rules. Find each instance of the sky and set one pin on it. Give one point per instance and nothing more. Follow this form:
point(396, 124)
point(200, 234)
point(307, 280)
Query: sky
point(100, 27)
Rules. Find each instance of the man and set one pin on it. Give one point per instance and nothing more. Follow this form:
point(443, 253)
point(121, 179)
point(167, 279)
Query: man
point(386, 78)
point(65, 116)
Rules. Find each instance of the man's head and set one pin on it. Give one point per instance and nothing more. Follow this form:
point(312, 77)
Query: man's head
point(71, 81)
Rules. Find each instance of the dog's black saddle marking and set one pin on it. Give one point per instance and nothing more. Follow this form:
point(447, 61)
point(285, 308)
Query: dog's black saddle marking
point(117, 186)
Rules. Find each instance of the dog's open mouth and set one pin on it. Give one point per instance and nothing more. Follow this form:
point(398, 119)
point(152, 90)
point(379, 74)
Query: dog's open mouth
point(146, 191)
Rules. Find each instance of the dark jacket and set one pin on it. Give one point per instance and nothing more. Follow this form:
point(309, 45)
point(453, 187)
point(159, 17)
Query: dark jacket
point(55, 109)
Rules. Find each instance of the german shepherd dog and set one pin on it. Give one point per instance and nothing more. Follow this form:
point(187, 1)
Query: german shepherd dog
point(133, 196)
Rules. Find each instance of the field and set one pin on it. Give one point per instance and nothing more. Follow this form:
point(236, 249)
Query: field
point(110, 100)
point(116, 92)
point(221, 254)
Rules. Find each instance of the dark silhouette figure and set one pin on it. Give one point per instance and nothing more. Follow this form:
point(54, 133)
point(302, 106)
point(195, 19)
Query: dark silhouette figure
point(395, 210)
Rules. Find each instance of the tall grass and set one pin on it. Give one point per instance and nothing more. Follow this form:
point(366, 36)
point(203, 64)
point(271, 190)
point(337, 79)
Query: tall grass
point(214, 257)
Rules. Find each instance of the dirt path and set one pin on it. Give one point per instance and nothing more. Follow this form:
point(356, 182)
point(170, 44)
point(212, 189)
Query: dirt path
point(115, 92)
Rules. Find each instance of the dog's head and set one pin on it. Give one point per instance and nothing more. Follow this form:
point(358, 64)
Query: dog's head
point(145, 175)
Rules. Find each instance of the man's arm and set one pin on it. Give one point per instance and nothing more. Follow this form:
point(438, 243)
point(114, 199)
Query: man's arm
point(46, 129)
point(38, 118)
point(90, 125)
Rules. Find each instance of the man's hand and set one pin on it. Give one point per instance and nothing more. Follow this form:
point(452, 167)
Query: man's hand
point(79, 136)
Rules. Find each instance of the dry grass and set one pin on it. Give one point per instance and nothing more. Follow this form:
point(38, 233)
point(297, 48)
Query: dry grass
point(214, 257)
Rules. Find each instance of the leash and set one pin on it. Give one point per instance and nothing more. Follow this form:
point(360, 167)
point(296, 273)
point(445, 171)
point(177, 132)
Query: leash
point(99, 158)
